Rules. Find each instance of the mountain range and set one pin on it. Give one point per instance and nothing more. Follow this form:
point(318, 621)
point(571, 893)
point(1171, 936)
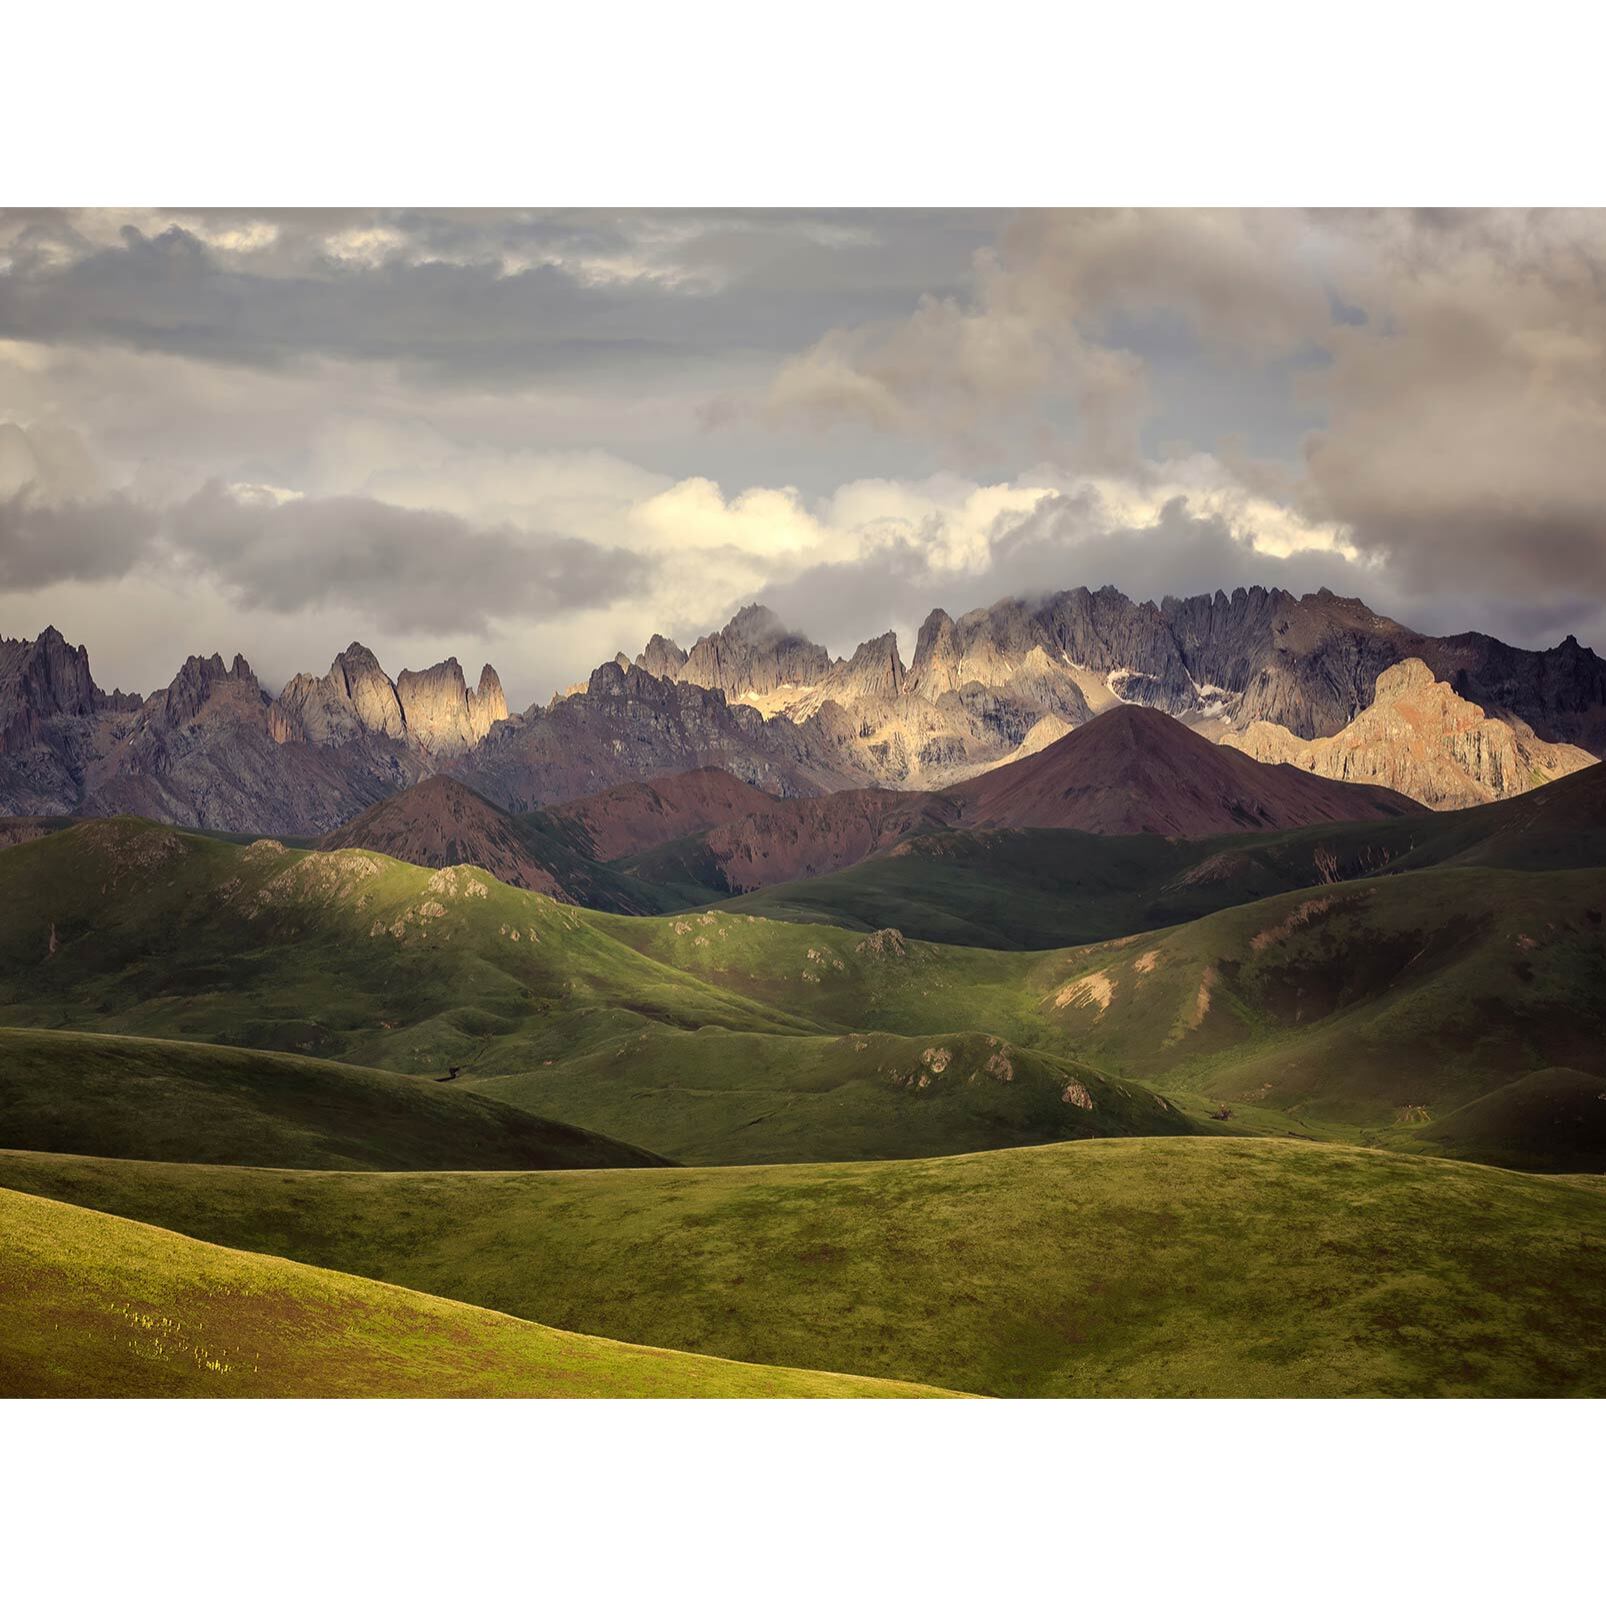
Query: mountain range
point(1327, 1028)
point(1317, 682)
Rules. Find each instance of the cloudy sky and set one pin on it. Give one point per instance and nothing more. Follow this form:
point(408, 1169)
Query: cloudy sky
point(536, 438)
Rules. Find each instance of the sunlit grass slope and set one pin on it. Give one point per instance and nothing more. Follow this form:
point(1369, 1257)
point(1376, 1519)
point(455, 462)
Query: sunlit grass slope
point(91, 1305)
point(1164, 1266)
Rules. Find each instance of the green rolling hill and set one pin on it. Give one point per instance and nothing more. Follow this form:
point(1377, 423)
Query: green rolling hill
point(1174, 1266)
point(1551, 1120)
point(131, 928)
point(101, 1307)
point(146, 1099)
point(1372, 1003)
point(735, 1098)
point(1364, 1003)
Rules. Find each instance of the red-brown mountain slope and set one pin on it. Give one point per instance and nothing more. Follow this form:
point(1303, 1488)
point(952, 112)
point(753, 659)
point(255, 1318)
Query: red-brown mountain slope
point(642, 814)
point(1137, 770)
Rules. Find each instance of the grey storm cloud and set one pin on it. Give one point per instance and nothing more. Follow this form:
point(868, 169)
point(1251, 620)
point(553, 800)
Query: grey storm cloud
point(410, 569)
point(404, 568)
point(43, 543)
point(1451, 368)
point(489, 298)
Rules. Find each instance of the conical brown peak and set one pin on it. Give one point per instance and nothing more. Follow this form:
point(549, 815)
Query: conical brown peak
point(434, 790)
point(1137, 769)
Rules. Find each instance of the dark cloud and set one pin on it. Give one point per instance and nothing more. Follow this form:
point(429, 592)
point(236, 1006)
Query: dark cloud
point(1447, 369)
point(491, 298)
point(403, 568)
point(42, 544)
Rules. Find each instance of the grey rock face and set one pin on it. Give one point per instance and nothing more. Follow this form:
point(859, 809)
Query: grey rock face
point(662, 657)
point(754, 654)
point(53, 721)
point(629, 724)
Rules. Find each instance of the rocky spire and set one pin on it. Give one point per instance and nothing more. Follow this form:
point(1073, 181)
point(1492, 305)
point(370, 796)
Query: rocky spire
point(355, 697)
point(197, 682)
point(443, 717)
point(487, 704)
point(933, 669)
point(370, 690)
point(662, 657)
point(41, 680)
point(874, 670)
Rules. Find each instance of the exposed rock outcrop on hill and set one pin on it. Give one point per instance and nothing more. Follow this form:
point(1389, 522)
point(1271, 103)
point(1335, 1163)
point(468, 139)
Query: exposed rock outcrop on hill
point(1420, 738)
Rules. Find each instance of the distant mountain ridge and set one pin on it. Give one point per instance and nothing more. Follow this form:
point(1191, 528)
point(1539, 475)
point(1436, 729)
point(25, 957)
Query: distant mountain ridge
point(1130, 771)
point(977, 685)
point(757, 700)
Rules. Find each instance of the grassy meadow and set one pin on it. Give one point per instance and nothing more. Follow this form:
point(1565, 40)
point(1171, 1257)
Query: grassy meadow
point(1326, 1137)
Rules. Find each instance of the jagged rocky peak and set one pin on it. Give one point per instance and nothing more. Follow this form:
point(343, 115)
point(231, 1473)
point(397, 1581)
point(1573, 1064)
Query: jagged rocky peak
point(875, 670)
point(753, 655)
point(46, 677)
point(370, 691)
point(933, 669)
point(356, 696)
point(1420, 738)
point(443, 716)
point(487, 703)
point(433, 709)
point(662, 657)
point(199, 681)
